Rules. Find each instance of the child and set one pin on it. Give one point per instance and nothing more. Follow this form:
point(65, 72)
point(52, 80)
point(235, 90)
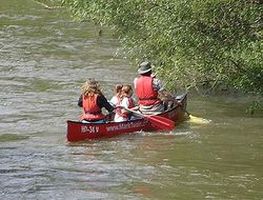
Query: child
point(125, 101)
point(115, 99)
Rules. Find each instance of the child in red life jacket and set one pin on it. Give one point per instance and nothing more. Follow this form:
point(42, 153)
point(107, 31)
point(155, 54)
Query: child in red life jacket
point(115, 99)
point(92, 101)
point(125, 101)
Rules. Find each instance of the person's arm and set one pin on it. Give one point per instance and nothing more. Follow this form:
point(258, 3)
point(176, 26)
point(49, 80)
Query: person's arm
point(80, 102)
point(113, 101)
point(103, 102)
point(157, 85)
point(163, 93)
point(134, 82)
point(125, 104)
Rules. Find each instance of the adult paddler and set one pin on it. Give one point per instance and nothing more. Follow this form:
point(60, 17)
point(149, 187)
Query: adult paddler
point(92, 101)
point(148, 89)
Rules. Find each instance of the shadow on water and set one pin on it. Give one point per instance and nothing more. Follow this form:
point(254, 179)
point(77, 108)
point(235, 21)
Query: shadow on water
point(12, 137)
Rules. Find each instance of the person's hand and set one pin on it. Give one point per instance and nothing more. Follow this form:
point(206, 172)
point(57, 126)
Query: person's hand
point(177, 102)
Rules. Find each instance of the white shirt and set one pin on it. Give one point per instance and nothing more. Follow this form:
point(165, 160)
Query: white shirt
point(114, 100)
point(124, 103)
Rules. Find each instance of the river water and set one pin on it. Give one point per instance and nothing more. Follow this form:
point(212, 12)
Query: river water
point(44, 58)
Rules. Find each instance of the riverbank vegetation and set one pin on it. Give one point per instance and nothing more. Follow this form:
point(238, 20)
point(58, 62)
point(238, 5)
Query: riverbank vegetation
point(197, 43)
point(210, 46)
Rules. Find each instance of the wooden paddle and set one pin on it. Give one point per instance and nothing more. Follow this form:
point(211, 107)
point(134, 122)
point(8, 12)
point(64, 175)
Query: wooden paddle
point(161, 123)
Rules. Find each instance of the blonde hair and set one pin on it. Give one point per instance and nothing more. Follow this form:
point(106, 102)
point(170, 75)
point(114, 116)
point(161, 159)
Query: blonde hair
point(90, 87)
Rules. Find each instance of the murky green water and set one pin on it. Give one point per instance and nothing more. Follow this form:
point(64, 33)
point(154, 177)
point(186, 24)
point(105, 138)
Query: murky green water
point(44, 58)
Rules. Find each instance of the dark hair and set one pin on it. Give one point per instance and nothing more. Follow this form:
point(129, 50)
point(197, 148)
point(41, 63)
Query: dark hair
point(118, 88)
point(125, 90)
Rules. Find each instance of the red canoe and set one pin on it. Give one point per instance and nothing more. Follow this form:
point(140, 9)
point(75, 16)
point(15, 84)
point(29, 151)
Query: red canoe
point(78, 131)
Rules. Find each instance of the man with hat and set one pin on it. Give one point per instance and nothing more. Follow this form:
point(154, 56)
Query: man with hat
point(147, 88)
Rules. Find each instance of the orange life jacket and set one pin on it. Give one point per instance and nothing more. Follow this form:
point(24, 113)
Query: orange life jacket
point(91, 111)
point(145, 91)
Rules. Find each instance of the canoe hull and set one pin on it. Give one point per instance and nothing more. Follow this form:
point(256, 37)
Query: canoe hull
point(78, 131)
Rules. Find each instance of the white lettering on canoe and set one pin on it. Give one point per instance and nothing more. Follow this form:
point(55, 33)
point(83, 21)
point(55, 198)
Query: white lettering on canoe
point(89, 129)
point(123, 126)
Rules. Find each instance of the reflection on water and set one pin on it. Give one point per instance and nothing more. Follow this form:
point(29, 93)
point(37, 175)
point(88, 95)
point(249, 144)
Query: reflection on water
point(45, 56)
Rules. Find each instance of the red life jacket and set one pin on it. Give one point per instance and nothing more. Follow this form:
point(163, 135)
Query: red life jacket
point(145, 91)
point(131, 104)
point(91, 111)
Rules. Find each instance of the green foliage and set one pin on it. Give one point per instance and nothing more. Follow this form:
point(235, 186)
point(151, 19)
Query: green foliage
point(255, 106)
point(194, 44)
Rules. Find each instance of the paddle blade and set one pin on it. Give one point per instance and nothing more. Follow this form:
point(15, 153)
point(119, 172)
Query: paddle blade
point(161, 123)
point(198, 120)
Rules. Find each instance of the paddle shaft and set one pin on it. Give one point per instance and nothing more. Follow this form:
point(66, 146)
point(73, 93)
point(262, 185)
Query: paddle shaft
point(160, 122)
